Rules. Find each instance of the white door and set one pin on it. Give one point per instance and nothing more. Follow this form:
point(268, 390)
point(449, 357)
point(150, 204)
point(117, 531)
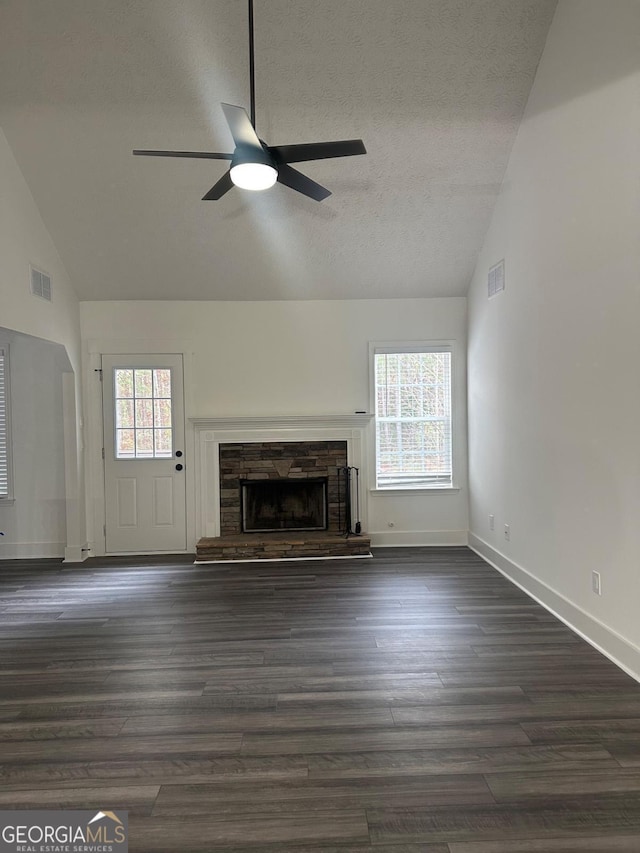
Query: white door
point(145, 494)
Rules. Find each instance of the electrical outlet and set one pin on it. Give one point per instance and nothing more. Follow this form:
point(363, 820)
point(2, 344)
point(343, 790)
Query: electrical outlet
point(595, 583)
point(492, 522)
point(507, 532)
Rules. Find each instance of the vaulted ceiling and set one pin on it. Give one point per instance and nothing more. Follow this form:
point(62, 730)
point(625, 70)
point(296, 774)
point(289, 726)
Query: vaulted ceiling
point(435, 88)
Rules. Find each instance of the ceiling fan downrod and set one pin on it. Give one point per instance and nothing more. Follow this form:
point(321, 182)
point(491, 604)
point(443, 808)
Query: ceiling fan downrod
point(252, 69)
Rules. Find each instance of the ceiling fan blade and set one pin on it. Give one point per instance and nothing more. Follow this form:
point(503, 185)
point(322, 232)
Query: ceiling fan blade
point(301, 183)
point(219, 189)
point(317, 150)
point(241, 128)
point(197, 155)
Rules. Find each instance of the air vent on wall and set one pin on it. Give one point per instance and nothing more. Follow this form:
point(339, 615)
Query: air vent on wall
point(496, 279)
point(40, 284)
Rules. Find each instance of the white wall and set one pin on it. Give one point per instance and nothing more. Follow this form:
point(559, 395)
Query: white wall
point(554, 397)
point(294, 358)
point(25, 240)
point(34, 524)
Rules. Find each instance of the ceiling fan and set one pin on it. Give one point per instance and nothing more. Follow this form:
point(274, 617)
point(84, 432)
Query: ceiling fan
point(256, 165)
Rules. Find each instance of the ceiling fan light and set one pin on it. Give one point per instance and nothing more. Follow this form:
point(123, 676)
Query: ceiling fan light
point(253, 176)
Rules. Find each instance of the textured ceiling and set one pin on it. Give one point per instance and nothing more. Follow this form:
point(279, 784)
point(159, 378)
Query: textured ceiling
point(435, 88)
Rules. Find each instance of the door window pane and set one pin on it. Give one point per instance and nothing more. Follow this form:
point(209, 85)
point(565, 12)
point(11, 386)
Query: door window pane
point(124, 414)
point(162, 413)
point(125, 443)
point(162, 442)
point(143, 413)
point(144, 442)
point(162, 382)
point(143, 384)
point(124, 383)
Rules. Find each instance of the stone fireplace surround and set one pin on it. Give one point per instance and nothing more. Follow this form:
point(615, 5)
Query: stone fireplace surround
point(279, 460)
point(211, 433)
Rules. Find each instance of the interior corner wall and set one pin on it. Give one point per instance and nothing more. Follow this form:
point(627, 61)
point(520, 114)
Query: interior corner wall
point(25, 240)
point(293, 358)
point(34, 523)
point(554, 397)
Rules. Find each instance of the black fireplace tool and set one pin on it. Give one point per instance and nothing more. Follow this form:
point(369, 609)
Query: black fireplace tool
point(348, 522)
point(358, 524)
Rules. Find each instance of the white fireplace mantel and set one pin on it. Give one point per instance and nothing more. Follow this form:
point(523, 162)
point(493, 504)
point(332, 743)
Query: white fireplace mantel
point(358, 420)
point(210, 433)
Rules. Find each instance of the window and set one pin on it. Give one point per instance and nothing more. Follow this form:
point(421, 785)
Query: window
point(412, 388)
point(143, 413)
point(5, 426)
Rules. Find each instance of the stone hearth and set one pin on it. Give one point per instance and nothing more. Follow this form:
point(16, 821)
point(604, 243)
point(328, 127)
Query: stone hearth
point(277, 546)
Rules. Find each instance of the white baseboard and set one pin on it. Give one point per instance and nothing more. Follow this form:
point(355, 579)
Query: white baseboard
point(76, 553)
point(621, 651)
point(416, 538)
point(30, 550)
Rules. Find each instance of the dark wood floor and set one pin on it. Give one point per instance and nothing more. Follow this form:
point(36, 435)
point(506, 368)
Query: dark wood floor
point(413, 703)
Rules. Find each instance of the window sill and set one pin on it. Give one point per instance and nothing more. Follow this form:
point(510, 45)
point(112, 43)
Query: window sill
point(410, 492)
point(7, 501)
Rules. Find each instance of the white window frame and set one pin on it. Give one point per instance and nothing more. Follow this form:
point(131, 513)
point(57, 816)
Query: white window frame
point(381, 347)
point(8, 498)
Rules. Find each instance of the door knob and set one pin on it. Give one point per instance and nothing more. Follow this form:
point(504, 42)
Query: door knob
point(179, 467)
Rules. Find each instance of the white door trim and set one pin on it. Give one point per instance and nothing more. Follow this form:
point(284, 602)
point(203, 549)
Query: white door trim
point(149, 490)
point(94, 470)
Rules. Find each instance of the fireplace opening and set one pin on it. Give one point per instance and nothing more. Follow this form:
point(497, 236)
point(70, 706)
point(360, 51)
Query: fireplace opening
point(288, 504)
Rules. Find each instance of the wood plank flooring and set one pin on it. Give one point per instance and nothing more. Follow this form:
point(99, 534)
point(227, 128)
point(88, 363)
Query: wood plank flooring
point(413, 703)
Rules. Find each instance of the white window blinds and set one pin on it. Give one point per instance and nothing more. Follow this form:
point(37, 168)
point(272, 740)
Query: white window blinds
point(413, 418)
point(4, 425)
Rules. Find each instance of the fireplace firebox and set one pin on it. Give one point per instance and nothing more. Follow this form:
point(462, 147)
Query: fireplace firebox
point(259, 463)
point(284, 504)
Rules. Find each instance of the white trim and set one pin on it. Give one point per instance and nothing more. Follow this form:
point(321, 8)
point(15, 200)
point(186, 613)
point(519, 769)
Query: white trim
point(210, 433)
point(396, 492)
point(74, 524)
point(94, 469)
point(9, 498)
point(30, 550)
point(76, 554)
point(392, 347)
point(359, 419)
point(116, 554)
point(283, 559)
point(417, 538)
point(612, 645)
